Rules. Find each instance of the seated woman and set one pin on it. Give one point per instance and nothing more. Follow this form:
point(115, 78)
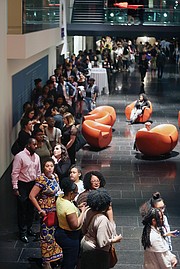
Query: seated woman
point(139, 107)
point(156, 249)
point(99, 232)
point(62, 161)
point(70, 219)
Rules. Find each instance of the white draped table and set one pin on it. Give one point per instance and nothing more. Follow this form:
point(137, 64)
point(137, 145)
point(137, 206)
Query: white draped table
point(101, 79)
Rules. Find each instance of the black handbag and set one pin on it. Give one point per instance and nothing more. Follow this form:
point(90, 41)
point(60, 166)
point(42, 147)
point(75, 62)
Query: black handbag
point(80, 141)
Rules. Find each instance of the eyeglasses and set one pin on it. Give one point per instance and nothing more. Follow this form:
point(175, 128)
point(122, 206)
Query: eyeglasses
point(76, 192)
point(95, 181)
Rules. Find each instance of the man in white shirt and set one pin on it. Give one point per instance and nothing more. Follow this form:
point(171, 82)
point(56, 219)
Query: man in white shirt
point(119, 53)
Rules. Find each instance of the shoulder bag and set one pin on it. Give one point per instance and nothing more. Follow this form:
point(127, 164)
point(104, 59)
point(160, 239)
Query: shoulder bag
point(112, 257)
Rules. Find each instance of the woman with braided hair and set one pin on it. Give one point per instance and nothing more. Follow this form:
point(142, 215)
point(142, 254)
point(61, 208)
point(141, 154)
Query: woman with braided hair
point(156, 250)
point(157, 201)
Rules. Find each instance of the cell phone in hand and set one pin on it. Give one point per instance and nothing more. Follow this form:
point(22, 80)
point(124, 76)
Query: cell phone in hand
point(176, 233)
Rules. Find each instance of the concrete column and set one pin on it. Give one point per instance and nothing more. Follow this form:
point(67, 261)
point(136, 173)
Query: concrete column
point(15, 16)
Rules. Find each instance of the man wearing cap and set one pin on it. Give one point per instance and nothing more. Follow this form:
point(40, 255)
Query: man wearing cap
point(91, 94)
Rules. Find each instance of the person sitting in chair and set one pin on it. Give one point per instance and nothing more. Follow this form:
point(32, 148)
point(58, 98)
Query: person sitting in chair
point(147, 127)
point(139, 107)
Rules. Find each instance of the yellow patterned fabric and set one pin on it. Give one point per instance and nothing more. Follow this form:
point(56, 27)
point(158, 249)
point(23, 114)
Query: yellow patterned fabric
point(50, 189)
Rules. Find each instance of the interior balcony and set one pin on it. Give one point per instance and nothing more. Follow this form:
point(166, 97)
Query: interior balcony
point(90, 19)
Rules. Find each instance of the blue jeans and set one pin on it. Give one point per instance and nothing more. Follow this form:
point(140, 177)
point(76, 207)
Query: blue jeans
point(69, 241)
point(88, 101)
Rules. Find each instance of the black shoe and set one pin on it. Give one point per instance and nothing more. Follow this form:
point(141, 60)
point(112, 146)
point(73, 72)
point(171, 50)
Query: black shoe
point(37, 237)
point(31, 233)
point(24, 239)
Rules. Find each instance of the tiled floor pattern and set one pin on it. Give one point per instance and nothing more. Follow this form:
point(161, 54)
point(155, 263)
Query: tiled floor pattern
point(131, 178)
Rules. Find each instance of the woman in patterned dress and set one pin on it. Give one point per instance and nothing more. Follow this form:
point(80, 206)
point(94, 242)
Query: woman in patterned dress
point(43, 196)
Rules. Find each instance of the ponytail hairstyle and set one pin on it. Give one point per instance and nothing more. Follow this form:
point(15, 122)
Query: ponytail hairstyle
point(153, 213)
point(156, 197)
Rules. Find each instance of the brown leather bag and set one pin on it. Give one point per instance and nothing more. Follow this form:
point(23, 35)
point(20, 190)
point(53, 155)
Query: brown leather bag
point(112, 257)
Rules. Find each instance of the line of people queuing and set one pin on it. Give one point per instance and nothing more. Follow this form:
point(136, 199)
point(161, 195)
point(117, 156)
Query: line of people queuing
point(83, 208)
point(53, 115)
point(44, 174)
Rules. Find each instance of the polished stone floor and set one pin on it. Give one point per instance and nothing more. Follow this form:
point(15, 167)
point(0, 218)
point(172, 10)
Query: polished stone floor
point(131, 178)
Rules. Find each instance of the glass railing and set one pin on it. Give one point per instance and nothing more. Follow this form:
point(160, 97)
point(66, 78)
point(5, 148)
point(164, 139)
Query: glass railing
point(149, 16)
point(37, 19)
point(120, 16)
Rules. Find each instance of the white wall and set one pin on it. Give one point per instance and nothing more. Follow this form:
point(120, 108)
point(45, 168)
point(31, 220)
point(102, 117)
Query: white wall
point(27, 45)
point(79, 43)
point(4, 97)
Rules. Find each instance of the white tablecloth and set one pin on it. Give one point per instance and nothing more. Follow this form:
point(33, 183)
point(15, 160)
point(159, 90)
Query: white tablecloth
point(101, 79)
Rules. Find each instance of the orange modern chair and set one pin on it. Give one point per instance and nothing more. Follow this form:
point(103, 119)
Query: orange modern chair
point(99, 116)
point(142, 118)
point(97, 135)
point(179, 119)
point(108, 109)
point(160, 140)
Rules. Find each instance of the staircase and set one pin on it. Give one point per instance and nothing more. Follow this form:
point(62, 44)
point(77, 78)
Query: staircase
point(88, 11)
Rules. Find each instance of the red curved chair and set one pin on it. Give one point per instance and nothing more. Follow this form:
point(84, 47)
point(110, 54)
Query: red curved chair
point(160, 140)
point(97, 135)
point(108, 109)
point(179, 119)
point(99, 116)
point(142, 118)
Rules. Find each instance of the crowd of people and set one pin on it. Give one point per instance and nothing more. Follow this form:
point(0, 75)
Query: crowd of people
point(121, 54)
point(84, 226)
point(77, 227)
point(47, 180)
